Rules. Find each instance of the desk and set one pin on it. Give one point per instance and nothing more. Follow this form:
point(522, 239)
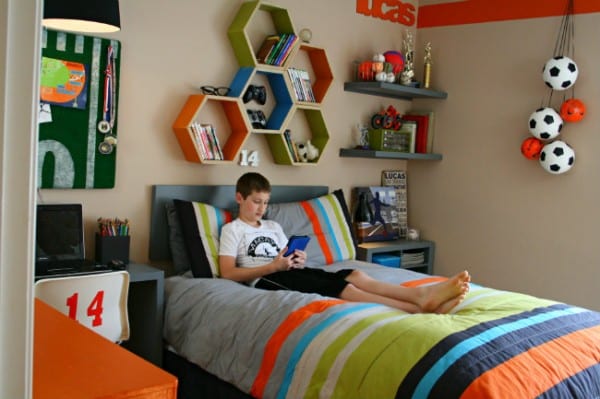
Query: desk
point(71, 361)
point(145, 308)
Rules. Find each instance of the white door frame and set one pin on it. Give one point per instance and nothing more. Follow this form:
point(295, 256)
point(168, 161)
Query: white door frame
point(20, 34)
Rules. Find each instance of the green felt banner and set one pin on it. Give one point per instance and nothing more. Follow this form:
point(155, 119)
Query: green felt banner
point(79, 90)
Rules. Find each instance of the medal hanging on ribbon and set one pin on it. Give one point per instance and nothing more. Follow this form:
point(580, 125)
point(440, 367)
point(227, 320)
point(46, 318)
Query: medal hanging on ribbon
point(105, 126)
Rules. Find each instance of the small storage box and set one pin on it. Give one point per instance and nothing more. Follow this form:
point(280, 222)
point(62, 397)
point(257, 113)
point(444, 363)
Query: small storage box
point(390, 140)
point(387, 260)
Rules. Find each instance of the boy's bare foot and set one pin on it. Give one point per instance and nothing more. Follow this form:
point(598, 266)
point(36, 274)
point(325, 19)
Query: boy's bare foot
point(449, 304)
point(442, 297)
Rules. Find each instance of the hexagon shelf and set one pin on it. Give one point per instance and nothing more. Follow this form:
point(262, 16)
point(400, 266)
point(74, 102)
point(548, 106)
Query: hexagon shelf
point(321, 70)
point(190, 140)
point(282, 107)
point(283, 103)
point(238, 34)
point(282, 154)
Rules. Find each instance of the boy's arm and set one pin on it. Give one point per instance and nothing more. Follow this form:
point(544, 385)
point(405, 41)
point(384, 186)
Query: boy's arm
point(229, 269)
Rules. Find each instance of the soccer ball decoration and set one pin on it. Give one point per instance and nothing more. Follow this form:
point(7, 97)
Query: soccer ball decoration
point(557, 157)
point(545, 123)
point(572, 110)
point(560, 73)
point(531, 148)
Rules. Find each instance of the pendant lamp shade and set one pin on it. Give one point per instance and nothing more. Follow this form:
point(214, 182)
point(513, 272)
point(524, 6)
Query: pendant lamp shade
point(82, 15)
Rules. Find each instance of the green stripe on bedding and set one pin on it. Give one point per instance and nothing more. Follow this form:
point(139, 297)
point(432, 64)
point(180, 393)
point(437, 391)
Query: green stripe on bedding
point(361, 344)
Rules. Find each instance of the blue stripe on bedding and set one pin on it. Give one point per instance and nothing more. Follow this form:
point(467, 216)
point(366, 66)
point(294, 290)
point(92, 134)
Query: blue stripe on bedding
point(487, 356)
point(309, 336)
point(430, 378)
point(325, 220)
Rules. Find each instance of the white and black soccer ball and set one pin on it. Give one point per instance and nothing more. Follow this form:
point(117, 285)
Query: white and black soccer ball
point(560, 73)
point(557, 157)
point(545, 123)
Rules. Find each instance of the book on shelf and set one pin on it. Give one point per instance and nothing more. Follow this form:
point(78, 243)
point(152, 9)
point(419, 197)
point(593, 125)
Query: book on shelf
point(397, 179)
point(276, 49)
point(266, 48)
point(291, 145)
point(411, 128)
point(422, 130)
point(206, 141)
point(430, 126)
point(302, 85)
point(285, 50)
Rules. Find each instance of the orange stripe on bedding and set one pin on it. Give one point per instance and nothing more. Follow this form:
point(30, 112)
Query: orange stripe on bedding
point(539, 369)
point(423, 281)
point(280, 335)
point(314, 220)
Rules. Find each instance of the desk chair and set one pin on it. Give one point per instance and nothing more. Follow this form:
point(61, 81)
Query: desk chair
point(98, 301)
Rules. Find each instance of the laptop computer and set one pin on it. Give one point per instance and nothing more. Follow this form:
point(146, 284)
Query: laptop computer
point(60, 245)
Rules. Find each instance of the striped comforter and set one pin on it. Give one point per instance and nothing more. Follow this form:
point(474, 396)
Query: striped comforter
point(281, 344)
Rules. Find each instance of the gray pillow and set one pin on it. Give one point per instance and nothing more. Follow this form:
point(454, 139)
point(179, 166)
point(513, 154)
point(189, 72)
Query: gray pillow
point(325, 220)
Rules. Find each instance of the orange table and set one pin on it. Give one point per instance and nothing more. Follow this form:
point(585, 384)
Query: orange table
point(71, 361)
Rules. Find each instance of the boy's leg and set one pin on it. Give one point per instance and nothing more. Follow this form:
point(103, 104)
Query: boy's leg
point(433, 298)
point(355, 294)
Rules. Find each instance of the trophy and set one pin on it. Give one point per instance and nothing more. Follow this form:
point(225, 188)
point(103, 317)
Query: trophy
point(408, 73)
point(427, 65)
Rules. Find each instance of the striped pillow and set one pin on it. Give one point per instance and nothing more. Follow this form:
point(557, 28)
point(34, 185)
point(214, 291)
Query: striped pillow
point(201, 227)
point(326, 220)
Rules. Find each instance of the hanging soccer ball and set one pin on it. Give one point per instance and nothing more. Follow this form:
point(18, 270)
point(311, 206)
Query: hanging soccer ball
point(545, 123)
point(572, 110)
point(557, 157)
point(560, 73)
point(531, 148)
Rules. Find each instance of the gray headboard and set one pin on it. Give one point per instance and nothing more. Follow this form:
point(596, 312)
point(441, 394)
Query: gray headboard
point(219, 196)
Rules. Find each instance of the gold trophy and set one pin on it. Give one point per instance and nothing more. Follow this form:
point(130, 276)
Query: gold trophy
point(427, 64)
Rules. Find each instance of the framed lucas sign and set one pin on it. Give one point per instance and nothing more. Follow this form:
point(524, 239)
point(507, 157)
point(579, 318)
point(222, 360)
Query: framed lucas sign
point(79, 86)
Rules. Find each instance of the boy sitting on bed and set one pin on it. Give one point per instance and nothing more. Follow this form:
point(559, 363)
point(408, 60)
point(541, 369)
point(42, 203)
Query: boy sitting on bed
point(252, 251)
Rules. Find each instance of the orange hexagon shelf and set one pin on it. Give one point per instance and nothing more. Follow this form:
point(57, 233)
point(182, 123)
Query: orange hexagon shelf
point(199, 142)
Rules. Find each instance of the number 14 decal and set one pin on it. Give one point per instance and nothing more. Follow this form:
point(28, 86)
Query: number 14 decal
point(94, 309)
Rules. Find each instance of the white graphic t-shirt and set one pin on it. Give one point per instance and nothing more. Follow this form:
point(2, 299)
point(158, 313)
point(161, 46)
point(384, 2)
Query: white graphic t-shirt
point(252, 246)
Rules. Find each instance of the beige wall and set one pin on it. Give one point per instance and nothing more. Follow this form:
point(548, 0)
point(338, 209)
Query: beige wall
point(489, 209)
point(169, 51)
point(512, 224)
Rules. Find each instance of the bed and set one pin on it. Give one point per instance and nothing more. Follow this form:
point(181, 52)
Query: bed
point(227, 340)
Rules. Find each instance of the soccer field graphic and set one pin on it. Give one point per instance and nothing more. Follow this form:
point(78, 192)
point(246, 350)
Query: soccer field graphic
point(78, 111)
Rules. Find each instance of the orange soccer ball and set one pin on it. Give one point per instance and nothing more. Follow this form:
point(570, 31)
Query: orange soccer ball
point(531, 148)
point(572, 110)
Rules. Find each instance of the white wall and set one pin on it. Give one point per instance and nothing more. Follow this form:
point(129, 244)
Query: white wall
point(19, 48)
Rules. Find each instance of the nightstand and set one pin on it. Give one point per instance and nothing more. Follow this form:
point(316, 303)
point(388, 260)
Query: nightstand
point(145, 308)
point(406, 250)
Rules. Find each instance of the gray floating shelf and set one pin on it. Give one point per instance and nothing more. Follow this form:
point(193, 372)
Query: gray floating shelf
point(356, 153)
point(393, 90)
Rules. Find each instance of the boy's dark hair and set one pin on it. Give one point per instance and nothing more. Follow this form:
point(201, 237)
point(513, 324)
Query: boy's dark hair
point(250, 182)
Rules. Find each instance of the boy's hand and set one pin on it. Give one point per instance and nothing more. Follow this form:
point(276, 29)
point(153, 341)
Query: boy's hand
point(293, 261)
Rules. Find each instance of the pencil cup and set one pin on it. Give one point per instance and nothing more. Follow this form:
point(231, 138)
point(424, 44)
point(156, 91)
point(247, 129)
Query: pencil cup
point(112, 248)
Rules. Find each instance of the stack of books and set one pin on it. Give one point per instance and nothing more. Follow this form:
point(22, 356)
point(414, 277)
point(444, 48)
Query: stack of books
point(276, 49)
point(302, 85)
point(206, 142)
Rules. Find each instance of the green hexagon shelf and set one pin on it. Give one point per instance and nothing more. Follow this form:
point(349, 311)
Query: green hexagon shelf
point(319, 136)
point(238, 35)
